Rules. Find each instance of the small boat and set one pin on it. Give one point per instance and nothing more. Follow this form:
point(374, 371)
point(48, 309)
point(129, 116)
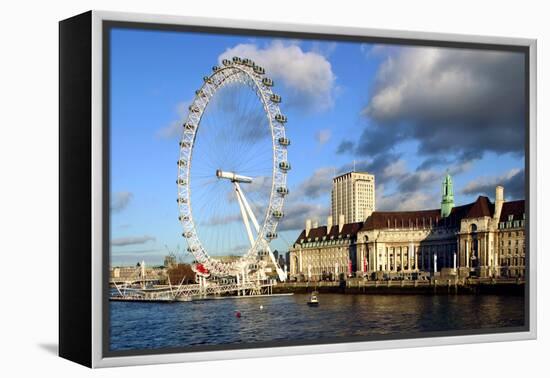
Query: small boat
point(313, 300)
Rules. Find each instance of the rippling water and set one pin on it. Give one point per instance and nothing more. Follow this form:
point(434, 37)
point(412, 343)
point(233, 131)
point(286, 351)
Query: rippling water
point(288, 318)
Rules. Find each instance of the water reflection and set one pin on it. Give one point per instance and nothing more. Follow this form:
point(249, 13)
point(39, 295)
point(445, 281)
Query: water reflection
point(164, 325)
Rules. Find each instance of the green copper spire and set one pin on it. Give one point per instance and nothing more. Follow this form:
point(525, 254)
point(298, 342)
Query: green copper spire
point(447, 197)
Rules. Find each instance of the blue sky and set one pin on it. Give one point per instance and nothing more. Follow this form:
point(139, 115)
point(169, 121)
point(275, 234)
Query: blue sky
point(406, 114)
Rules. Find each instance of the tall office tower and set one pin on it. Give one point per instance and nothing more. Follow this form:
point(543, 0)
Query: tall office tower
point(353, 196)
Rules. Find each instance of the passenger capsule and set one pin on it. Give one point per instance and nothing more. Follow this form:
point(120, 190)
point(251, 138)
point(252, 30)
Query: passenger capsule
point(184, 144)
point(188, 126)
point(277, 214)
point(280, 118)
point(275, 98)
point(267, 82)
point(181, 200)
point(226, 62)
point(271, 235)
point(215, 68)
point(183, 218)
point(187, 234)
point(282, 190)
point(259, 70)
point(182, 163)
point(207, 79)
point(200, 93)
point(194, 109)
point(284, 141)
point(180, 181)
point(237, 60)
point(285, 166)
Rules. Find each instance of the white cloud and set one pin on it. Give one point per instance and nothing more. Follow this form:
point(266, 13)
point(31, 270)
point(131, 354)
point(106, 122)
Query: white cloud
point(174, 128)
point(512, 179)
point(399, 201)
point(120, 200)
point(317, 185)
point(395, 170)
point(324, 48)
point(376, 50)
point(455, 102)
point(131, 240)
point(296, 214)
point(323, 136)
point(307, 75)
point(225, 219)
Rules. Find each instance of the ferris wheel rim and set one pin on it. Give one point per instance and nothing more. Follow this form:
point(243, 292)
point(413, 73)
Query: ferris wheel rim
point(249, 75)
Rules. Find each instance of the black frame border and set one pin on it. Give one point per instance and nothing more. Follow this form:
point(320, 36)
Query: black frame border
point(75, 188)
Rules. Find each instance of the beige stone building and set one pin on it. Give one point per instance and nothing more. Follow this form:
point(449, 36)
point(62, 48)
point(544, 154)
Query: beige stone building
point(135, 273)
point(473, 240)
point(511, 239)
point(323, 252)
point(353, 196)
point(480, 239)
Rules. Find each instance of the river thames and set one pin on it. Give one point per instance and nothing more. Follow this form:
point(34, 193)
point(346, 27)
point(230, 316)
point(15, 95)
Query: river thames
point(138, 326)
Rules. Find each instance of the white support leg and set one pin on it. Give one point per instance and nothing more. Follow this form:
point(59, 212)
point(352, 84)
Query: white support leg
point(242, 198)
point(243, 213)
point(247, 207)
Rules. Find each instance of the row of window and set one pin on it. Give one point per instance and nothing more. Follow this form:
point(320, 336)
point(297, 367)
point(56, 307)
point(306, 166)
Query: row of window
point(315, 244)
point(511, 224)
point(324, 262)
point(516, 242)
point(513, 261)
point(517, 251)
point(512, 234)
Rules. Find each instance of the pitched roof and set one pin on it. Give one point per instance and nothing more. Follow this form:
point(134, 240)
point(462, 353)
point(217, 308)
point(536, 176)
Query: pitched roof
point(515, 208)
point(350, 229)
point(482, 207)
point(401, 219)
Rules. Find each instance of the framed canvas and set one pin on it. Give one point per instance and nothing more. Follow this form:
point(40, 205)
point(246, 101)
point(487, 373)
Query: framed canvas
point(233, 189)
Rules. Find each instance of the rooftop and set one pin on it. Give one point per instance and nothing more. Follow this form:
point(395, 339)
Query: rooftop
point(350, 229)
point(482, 207)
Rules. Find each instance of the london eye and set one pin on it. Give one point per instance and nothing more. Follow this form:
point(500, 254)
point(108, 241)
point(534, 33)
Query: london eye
point(232, 171)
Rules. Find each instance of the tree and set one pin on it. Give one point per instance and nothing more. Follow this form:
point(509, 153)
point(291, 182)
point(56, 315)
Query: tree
point(180, 272)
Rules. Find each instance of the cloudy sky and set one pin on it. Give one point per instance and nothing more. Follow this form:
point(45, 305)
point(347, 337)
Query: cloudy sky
point(406, 114)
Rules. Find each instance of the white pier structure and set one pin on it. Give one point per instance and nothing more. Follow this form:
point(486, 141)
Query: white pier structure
point(202, 290)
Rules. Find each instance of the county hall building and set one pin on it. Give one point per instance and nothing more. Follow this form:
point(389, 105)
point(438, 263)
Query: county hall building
point(480, 239)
